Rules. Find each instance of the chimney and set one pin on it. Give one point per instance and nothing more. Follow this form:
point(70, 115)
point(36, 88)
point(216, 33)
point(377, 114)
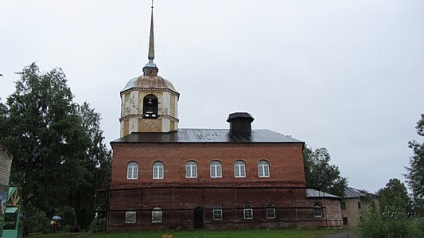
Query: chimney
point(240, 122)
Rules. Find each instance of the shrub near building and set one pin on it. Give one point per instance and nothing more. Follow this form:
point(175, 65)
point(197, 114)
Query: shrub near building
point(395, 218)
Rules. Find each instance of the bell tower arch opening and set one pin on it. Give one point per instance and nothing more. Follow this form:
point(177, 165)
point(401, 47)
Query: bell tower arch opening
point(150, 106)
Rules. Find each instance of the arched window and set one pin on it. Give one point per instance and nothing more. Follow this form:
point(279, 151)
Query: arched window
point(216, 169)
point(263, 168)
point(248, 211)
point(150, 106)
point(270, 211)
point(157, 215)
point(158, 169)
point(132, 170)
point(217, 212)
point(239, 169)
point(191, 169)
point(318, 209)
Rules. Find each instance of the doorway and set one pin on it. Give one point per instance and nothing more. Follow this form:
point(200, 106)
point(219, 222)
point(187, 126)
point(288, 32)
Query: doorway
point(198, 218)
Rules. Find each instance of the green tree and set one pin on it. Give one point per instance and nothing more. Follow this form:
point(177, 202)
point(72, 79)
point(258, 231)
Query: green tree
point(320, 174)
point(3, 116)
point(54, 144)
point(394, 197)
point(393, 217)
point(374, 224)
point(98, 168)
point(415, 175)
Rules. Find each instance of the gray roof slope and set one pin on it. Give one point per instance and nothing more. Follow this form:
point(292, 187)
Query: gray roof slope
point(313, 193)
point(207, 136)
point(354, 193)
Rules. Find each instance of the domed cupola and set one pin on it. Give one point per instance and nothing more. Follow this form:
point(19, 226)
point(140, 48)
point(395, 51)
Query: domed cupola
point(149, 103)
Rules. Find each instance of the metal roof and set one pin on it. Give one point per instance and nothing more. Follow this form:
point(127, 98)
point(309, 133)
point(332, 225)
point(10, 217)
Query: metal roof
point(207, 136)
point(11, 209)
point(313, 193)
point(353, 193)
point(149, 82)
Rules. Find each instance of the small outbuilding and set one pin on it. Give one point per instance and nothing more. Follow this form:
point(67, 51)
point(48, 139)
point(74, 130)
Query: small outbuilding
point(13, 219)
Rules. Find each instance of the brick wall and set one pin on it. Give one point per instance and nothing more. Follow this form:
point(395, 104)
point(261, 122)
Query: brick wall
point(5, 165)
point(285, 161)
point(179, 203)
point(179, 197)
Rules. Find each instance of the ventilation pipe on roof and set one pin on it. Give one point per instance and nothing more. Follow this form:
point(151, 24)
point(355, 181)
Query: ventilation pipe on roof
point(240, 122)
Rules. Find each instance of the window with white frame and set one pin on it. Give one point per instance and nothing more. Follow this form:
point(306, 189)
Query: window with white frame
point(158, 170)
point(318, 209)
point(216, 169)
point(263, 168)
point(191, 169)
point(130, 216)
point(217, 212)
point(270, 211)
point(239, 169)
point(157, 215)
point(132, 170)
point(248, 211)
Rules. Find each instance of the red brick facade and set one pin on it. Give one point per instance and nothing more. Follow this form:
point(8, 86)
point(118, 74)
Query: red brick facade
point(286, 163)
point(187, 203)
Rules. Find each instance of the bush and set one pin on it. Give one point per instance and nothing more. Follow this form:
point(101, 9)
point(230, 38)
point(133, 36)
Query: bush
point(98, 225)
point(419, 223)
point(36, 220)
point(373, 225)
point(67, 214)
point(370, 224)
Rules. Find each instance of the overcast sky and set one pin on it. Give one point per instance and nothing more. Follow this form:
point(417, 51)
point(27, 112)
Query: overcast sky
point(344, 75)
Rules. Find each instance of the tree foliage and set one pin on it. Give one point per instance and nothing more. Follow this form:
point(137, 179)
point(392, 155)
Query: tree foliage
point(375, 225)
point(393, 217)
point(56, 144)
point(394, 197)
point(415, 175)
point(320, 174)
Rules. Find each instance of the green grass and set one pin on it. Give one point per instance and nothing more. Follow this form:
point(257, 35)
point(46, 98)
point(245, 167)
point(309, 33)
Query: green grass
point(277, 233)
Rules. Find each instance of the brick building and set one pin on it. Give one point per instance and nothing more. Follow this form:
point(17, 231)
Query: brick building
point(164, 177)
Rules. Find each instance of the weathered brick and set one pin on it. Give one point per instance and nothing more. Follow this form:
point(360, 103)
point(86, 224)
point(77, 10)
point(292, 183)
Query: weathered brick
point(178, 196)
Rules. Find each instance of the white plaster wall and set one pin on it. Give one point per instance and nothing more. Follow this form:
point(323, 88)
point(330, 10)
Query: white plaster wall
point(134, 102)
point(166, 102)
point(122, 105)
point(165, 125)
point(133, 125)
point(176, 109)
point(121, 131)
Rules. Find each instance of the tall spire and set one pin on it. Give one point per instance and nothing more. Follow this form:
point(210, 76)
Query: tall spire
point(150, 69)
point(152, 40)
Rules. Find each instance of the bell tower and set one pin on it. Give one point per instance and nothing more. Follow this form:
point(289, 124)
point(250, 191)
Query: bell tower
point(149, 103)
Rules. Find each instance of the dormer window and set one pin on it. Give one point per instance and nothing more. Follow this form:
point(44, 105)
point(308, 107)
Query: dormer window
point(150, 106)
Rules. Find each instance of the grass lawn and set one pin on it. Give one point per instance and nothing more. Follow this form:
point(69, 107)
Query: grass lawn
point(278, 233)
